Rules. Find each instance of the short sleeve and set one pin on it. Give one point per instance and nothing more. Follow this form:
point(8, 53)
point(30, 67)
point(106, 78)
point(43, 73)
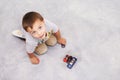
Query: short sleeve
point(51, 25)
point(31, 43)
point(30, 46)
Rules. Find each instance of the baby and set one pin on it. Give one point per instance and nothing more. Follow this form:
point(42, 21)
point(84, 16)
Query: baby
point(39, 33)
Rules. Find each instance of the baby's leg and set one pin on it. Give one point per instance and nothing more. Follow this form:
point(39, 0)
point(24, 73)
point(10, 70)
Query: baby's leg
point(51, 41)
point(41, 49)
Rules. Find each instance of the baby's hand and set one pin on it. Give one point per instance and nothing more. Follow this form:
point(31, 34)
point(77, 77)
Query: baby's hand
point(62, 41)
point(33, 59)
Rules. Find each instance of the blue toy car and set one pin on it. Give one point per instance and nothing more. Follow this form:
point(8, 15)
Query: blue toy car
point(70, 61)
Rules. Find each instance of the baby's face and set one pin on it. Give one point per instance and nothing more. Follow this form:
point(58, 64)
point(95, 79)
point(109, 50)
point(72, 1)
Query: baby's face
point(38, 30)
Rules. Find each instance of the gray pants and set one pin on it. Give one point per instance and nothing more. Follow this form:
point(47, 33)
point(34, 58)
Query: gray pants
point(42, 48)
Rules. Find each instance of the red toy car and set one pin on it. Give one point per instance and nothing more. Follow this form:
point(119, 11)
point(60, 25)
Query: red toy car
point(70, 61)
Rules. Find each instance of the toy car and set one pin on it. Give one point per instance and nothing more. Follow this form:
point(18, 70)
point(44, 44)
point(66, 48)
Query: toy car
point(70, 61)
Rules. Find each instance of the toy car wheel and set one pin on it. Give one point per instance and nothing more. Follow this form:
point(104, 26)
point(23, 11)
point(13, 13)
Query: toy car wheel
point(67, 56)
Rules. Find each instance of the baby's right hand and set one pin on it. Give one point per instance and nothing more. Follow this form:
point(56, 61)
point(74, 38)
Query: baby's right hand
point(33, 58)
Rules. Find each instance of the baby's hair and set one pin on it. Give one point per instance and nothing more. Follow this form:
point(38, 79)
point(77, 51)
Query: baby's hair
point(29, 19)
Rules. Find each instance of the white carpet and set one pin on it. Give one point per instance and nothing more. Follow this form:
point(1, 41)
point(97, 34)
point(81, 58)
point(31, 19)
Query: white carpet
point(92, 30)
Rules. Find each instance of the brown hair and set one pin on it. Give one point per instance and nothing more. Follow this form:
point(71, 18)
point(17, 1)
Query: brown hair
point(29, 19)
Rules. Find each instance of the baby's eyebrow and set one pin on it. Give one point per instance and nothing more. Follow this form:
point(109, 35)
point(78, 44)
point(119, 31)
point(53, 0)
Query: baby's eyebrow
point(40, 24)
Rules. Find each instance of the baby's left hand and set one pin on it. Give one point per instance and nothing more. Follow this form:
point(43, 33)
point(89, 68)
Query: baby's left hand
point(62, 41)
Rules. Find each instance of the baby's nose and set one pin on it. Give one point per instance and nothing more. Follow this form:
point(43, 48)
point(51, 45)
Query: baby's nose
point(39, 32)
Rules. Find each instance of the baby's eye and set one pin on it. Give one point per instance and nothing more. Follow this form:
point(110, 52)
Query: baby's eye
point(33, 32)
point(40, 27)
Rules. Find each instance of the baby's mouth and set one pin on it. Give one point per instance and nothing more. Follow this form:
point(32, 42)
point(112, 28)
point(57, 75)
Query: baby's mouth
point(42, 36)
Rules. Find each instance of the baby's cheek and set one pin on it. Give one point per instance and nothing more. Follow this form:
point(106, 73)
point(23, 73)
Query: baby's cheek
point(44, 30)
point(35, 36)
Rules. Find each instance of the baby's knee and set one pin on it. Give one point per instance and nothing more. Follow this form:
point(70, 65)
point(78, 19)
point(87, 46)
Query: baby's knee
point(41, 49)
point(51, 41)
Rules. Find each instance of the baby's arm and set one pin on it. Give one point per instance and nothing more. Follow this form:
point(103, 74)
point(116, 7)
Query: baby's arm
point(56, 32)
point(30, 47)
point(60, 39)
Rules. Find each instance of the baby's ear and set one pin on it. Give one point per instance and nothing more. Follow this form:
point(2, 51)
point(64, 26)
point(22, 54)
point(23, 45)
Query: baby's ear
point(29, 29)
